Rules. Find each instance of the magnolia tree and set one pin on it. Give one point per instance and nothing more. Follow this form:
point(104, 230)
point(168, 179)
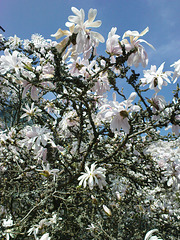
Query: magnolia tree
point(79, 157)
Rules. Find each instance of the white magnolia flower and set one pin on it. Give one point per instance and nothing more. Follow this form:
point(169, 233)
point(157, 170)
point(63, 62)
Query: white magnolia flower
point(156, 78)
point(176, 74)
point(47, 71)
point(13, 42)
point(140, 56)
point(36, 92)
point(7, 222)
point(93, 176)
point(15, 61)
point(9, 62)
point(53, 220)
point(80, 25)
point(84, 39)
point(69, 119)
point(91, 227)
point(8, 233)
point(158, 103)
point(30, 111)
point(39, 41)
point(78, 67)
point(102, 85)
point(35, 228)
point(112, 44)
point(47, 171)
point(36, 135)
point(117, 113)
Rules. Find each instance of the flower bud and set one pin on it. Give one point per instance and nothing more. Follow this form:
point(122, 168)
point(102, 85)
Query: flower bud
point(107, 210)
point(94, 199)
point(118, 196)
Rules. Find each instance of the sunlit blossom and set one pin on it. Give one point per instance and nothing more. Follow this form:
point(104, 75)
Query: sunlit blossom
point(14, 61)
point(36, 92)
point(85, 39)
point(112, 44)
point(140, 55)
point(93, 176)
point(156, 78)
point(80, 25)
point(31, 111)
point(117, 113)
point(36, 135)
point(13, 42)
point(46, 172)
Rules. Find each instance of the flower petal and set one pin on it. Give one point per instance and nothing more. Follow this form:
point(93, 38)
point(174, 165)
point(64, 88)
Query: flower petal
point(92, 14)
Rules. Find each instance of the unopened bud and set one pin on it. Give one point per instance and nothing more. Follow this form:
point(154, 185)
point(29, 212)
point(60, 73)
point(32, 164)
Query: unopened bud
point(94, 199)
point(107, 210)
point(118, 196)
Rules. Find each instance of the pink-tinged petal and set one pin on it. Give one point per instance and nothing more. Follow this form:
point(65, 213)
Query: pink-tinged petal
point(108, 114)
point(82, 14)
point(130, 33)
point(25, 90)
point(125, 125)
point(153, 68)
point(85, 183)
point(135, 108)
point(50, 85)
point(45, 237)
point(34, 93)
point(115, 124)
point(175, 129)
point(31, 134)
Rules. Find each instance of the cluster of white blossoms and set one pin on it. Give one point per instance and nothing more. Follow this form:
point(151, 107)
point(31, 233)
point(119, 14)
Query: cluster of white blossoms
point(39, 228)
point(86, 39)
point(168, 159)
point(36, 136)
point(117, 113)
point(140, 55)
point(80, 137)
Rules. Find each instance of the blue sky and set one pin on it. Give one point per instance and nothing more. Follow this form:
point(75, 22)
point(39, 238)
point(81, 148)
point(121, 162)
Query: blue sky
point(25, 17)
